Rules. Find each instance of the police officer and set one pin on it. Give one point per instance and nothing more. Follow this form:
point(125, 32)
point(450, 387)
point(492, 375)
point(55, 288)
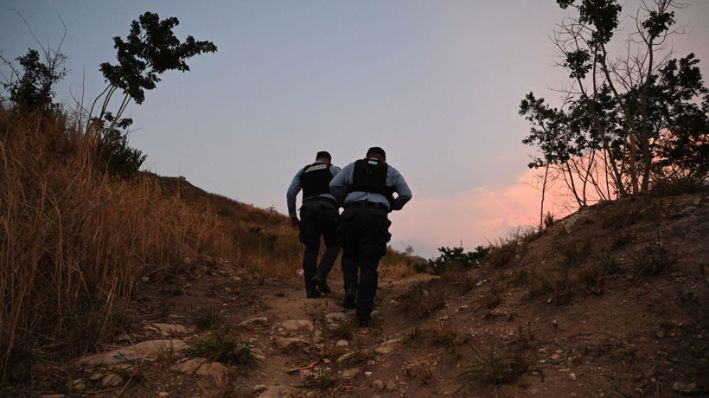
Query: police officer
point(319, 215)
point(366, 187)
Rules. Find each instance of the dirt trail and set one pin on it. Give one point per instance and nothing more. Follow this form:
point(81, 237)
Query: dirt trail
point(296, 341)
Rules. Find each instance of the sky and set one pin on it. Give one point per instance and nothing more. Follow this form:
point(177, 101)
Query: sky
point(437, 84)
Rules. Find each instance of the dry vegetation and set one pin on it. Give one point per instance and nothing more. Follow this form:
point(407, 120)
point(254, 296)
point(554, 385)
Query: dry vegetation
point(75, 242)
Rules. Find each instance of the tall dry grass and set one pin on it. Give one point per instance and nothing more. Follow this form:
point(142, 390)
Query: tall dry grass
point(74, 241)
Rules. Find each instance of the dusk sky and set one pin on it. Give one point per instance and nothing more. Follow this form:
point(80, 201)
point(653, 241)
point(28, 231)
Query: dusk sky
point(435, 83)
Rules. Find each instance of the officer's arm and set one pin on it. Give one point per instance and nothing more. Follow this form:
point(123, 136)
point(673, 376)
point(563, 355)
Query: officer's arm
point(339, 183)
point(403, 192)
point(293, 190)
point(334, 170)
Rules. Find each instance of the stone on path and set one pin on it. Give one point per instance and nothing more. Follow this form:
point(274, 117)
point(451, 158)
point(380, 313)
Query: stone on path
point(261, 320)
point(386, 347)
point(295, 326)
point(350, 373)
point(288, 344)
point(146, 350)
point(335, 320)
point(213, 369)
point(190, 366)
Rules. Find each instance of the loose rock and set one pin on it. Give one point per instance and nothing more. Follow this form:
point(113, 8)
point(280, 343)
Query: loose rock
point(350, 373)
point(213, 369)
point(295, 326)
point(111, 380)
point(262, 320)
point(288, 344)
point(190, 366)
point(147, 350)
point(685, 388)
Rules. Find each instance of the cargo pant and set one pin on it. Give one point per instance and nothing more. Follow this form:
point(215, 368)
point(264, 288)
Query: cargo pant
point(318, 217)
point(365, 233)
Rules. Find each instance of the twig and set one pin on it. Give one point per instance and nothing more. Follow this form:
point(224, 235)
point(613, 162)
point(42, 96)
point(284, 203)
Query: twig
point(309, 366)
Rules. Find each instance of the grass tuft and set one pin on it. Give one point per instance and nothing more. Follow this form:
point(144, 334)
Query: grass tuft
point(226, 350)
point(494, 366)
point(652, 260)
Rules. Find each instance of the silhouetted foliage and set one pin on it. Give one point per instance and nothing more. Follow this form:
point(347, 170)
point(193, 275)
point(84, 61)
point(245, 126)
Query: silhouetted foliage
point(150, 49)
point(457, 258)
point(628, 122)
point(114, 152)
point(32, 88)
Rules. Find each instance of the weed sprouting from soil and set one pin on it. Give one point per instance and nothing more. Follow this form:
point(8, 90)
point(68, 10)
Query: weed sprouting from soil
point(225, 349)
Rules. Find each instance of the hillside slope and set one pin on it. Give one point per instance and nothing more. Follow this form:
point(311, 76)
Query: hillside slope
point(611, 301)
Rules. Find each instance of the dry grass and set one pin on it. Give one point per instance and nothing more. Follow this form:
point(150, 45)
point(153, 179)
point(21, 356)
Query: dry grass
point(512, 248)
point(653, 259)
point(438, 335)
point(492, 296)
point(74, 241)
point(423, 299)
point(494, 366)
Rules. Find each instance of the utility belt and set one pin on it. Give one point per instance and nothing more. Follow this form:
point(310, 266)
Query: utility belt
point(325, 199)
point(366, 204)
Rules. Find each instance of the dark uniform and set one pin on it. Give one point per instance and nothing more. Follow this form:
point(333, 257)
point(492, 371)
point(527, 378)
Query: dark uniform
point(366, 187)
point(319, 216)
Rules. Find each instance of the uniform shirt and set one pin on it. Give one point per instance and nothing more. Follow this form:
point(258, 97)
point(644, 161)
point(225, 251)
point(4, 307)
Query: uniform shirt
point(295, 187)
point(339, 185)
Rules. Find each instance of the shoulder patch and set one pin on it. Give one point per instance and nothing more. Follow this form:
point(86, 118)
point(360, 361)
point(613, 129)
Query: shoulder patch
point(316, 167)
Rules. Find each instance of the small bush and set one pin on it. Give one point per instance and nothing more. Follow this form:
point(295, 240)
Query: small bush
point(421, 300)
point(457, 259)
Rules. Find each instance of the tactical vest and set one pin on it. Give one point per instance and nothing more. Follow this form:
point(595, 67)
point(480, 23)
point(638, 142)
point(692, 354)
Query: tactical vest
point(315, 179)
point(370, 175)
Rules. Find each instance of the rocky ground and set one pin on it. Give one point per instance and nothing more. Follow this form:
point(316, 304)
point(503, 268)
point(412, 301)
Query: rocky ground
point(557, 318)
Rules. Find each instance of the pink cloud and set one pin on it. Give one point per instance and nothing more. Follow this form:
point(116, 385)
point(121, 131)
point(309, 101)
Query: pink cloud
point(473, 217)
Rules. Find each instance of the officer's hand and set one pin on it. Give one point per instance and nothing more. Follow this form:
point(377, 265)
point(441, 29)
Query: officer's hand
point(294, 222)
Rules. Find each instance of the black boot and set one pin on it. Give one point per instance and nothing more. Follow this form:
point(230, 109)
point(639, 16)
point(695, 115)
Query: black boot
point(313, 294)
point(321, 284)
point(350, 298)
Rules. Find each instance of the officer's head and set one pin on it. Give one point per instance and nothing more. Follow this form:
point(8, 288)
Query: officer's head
point(376, 152)
point(323, 156)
